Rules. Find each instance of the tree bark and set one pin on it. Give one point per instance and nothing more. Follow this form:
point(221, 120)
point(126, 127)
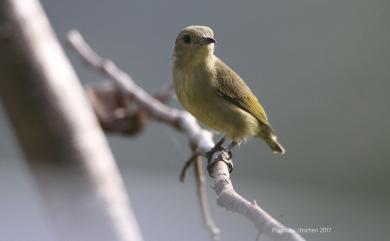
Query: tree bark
point(58, 132)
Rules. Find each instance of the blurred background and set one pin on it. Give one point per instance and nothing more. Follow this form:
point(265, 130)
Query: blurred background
point(321, 69)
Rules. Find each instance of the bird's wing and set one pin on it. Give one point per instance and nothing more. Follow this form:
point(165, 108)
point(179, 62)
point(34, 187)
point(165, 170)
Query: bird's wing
point(233, 88)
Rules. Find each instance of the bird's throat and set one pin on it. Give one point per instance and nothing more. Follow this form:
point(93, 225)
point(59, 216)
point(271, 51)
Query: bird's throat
point(202, 56)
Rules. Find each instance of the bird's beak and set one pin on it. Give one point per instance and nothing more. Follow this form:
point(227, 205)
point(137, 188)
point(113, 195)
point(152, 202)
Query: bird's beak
point(207, 40)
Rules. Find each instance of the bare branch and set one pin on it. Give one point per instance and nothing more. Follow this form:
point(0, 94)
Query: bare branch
point(199, 138)
point(64, 147)
point(232, 201)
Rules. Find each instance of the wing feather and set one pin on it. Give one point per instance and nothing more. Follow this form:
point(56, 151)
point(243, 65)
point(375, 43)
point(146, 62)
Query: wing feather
point(233, 88)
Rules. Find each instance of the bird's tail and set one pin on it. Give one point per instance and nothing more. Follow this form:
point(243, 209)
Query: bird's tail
point(273, 143)
point(270, 138)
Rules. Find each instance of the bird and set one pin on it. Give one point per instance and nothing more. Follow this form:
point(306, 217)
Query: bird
point(216, 95)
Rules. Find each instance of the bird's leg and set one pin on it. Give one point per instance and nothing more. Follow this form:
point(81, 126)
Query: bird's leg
point(220, 142)
point(217, 147)
point(232, 144)
point(230, 147)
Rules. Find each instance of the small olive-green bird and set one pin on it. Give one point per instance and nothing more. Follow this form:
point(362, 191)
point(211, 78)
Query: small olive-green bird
point(214, 94)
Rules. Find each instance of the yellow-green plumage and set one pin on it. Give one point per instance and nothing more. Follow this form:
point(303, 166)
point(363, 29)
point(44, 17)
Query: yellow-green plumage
point(213, 93)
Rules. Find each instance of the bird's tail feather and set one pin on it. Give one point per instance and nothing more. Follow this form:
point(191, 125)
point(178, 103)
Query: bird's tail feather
point(275, 146)
point(270, 138)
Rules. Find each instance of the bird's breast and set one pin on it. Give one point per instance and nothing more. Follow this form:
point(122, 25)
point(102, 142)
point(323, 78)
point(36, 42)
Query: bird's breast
point(193, 87)
point(198, 94)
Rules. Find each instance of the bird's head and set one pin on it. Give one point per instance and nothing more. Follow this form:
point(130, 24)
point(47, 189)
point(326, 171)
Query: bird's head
point(194, 43)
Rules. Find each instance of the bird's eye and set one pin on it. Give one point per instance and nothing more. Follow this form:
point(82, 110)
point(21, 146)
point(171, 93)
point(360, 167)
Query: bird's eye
point(187, 39)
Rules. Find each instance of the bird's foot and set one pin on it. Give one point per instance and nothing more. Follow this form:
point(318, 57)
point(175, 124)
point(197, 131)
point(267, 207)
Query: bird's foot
point(225, 156)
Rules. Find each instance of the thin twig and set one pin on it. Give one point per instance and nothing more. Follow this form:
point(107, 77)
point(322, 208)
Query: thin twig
point(201, 190)
point(187, 164)
point(200, 138)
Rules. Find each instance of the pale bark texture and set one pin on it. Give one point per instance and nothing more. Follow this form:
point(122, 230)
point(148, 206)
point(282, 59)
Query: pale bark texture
point(64, 147)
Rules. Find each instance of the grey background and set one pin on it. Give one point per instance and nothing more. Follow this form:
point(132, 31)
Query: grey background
point(321, 69)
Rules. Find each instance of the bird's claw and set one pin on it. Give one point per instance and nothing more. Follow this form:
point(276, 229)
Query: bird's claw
point(226, 159)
